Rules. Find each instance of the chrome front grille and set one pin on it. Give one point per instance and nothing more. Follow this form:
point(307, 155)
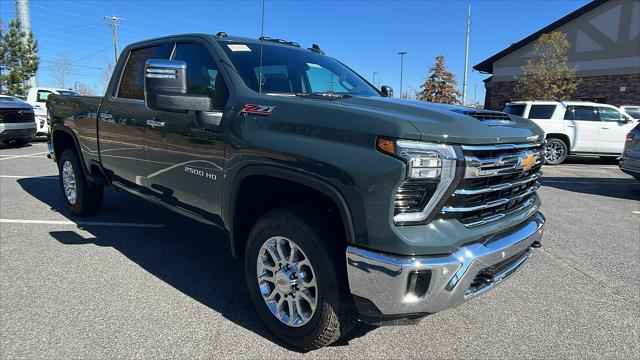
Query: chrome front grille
point(499, 180)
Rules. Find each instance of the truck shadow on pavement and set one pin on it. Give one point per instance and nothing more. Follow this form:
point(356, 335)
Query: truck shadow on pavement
point(191, 257)
point(621, 188)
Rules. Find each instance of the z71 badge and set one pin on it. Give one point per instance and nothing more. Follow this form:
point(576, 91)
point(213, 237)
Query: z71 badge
point(257, 109)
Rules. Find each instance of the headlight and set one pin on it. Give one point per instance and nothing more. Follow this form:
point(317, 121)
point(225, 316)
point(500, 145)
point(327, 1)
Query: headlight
point(431, 169)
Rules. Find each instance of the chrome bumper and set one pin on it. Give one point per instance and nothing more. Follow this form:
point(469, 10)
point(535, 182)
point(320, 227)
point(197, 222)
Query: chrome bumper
point(387, 281)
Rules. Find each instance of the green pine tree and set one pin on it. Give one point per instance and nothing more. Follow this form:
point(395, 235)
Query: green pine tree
point(18, 60)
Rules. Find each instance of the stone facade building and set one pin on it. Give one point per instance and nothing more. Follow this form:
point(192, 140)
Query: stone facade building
point(605, 49)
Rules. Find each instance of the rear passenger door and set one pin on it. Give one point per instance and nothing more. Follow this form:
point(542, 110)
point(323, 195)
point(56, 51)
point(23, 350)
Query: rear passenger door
point(583, 124)
point(122, 120)
point(185, 159)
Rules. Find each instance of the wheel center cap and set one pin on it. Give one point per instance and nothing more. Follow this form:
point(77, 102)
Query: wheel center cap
point(283, 282)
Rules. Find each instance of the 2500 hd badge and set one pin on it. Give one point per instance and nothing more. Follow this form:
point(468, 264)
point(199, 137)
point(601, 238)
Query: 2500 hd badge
point(199, 172)
point(345, 203)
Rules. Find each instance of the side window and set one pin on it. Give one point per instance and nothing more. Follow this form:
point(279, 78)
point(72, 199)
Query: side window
point(203, 76)
point(609, 114)
point(541, 111)
point(132, 83)
point(43, 95)
point(584, 113)
point(568, 113)
point(517, 110)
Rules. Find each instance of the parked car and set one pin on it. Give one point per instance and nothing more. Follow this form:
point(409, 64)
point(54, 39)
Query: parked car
point(37, 97)
point(17, 121)
point(344, 203)
point(576, 127)
point(632, 110)
point(630, 159)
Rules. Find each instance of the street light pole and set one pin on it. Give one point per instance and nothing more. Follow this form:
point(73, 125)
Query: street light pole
point(373, 81)
point(402, 54)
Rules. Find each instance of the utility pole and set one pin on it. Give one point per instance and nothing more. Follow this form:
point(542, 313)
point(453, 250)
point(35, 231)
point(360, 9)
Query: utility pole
point(114, 26)
point(402, 54)
point(374, 78)
point(466, 57)
point(22, 12)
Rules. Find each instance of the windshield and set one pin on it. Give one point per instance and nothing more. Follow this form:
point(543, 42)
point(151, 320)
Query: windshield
point(290, 70)
point(516, 110)
point(633, 111)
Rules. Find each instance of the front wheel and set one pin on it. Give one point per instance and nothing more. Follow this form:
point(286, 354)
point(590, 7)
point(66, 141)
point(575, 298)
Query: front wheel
point(295, 272)
point(555, 151)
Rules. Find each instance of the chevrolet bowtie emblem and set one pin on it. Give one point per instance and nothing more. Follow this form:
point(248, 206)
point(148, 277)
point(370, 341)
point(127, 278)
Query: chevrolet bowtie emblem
point(527, 163)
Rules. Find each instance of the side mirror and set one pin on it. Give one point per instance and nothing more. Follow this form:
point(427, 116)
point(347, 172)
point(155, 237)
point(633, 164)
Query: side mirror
point(165, 88)
point(387, 91)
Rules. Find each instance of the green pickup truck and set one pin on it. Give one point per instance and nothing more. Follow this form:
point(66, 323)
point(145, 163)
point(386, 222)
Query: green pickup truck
point(345, 203)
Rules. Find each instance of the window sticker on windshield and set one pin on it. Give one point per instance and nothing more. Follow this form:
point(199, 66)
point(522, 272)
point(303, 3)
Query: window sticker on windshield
point(312, 65)
point(238, 47)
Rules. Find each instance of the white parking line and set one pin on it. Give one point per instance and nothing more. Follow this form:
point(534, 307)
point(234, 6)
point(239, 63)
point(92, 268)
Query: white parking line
point(52, 177)
point(635, 212)
point(80, 223)
point(21, 156)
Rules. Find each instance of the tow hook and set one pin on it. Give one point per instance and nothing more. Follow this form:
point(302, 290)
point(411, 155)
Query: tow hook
point(536, 245)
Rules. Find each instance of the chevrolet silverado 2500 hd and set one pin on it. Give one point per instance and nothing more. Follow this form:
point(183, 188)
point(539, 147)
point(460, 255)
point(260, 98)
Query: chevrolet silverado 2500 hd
point(345, 203)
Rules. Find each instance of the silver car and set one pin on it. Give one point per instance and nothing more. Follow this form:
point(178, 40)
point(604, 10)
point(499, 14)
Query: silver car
point(630, 160)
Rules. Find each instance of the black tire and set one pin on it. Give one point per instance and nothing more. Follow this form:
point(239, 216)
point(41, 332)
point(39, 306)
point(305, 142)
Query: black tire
point(556, 151)
point(335, 314)
point(88, 194)
point(18, 142)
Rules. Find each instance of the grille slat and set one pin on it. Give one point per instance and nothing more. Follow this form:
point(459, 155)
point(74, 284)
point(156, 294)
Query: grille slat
point(499, 180)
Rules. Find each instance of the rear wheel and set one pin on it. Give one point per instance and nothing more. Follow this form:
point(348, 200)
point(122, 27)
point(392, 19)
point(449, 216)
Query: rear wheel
point(556, 151)
point(295, 272)
point(81, 196)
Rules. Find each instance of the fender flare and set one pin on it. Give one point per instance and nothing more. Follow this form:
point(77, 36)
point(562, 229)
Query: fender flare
point(296, 176)
point(68, 131)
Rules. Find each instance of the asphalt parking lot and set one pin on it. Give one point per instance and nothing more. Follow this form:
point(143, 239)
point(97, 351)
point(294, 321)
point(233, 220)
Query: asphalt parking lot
point(137, 280)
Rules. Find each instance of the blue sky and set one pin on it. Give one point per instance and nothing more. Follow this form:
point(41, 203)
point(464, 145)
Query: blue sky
point(366, 35)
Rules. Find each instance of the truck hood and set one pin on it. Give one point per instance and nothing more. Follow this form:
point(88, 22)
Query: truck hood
point(445, 123)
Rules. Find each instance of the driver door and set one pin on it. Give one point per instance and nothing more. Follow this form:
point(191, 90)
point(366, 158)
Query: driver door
point(614, 126)
point(185, 160)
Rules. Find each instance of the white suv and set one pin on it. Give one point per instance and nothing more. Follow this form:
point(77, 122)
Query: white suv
point(576, 127)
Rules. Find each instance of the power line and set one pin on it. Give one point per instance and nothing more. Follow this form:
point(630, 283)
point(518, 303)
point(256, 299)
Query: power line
point(114, 29)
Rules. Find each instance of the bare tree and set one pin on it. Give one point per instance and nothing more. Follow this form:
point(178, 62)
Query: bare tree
point(60, 69)
point(106, 72)
point(84, 89)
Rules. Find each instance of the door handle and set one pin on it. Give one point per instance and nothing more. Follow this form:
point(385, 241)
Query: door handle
point(571, 126)
point(105, 116)
point(153, 123)
point(603, 127)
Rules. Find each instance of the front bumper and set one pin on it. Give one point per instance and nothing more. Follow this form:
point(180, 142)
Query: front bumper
point(385, 286)
point(11, 131)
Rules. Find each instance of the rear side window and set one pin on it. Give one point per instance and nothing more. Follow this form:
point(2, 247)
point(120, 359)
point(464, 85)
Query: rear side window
point(541, 111)
point(584, 113)
point(132, 82)
point(516, 110)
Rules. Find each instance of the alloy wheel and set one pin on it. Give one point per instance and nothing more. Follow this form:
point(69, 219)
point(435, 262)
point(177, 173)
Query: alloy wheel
point(69, 182)
point(554, 152)
point(287, 281)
